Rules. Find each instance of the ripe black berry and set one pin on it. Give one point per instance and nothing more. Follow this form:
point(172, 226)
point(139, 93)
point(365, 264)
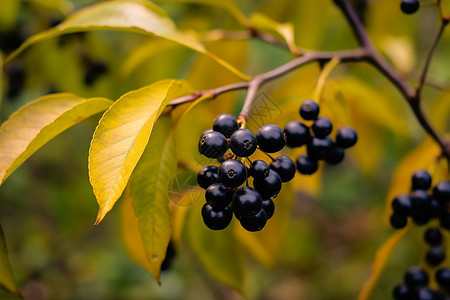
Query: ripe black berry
point(270, 138)
point(420, 200)
point(269, 186)
point(421, 180)
point(402, 292)
point(216, 220)
point(297, 134)
point(246, 201)
point(435, 208)
point(207, 176)
point(309, 110)
point(218, 196)
point(409, 6)
point(318, 147)
point(435, 256)
point(259, 169)
point(424, 293)
point(213, 144)
point(335, 155)
point(415, 276)
point(306, 165)
point(232, 173)
point(443, 278)
point(398, 221)
point(243, 142)
point(269, 207)
point(254, 222)
point(226, 124)
point(402, 205)
point(444, 220)
point(322, 127)
point(442, 191)
point(284, 166)
point(346, 137)
point(433, 237)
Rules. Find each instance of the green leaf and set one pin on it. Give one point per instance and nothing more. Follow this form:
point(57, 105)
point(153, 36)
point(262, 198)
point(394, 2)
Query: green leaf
point(7, 280)
point(218, 251)
point(39, 121)
point(149, 193)
point(131, 16)
point(284, 30)
point(121, 137)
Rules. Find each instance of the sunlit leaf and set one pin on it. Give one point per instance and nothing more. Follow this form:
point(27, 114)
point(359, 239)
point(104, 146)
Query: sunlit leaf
point(131, 16)
point(149, 193)
point(121, 137)
point(218, 251)
point(39, 121)
point(7, 280)
point(381, 257)
point(284, 30)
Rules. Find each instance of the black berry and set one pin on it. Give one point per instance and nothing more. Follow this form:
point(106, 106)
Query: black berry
point(254, 222)
point(232, 173)
point(213, 144)
point(306, 165)
point(216, 220)
point(335, 155)
point(402, 205)
point(218, 196)
point(435, 256)
point(420, 200)
point(398, 221)
point(409, 6)
point(318, 147)
point(322, 127)
point(435, 208)
point(433, 237)
point(243, 142)
point(226, 124)
point(269, 207)
point(207, 176)
point(259, 169)
point(346, 137)
point(442, 191)
point(246, 201)
point(297, 134)
point(424, 293)
point(402, 292)
point(443, 278)
point(269, 186)
point(309, 110)
point(270, 138)
point(284, 166)
point(415, 276)
point(421, 180)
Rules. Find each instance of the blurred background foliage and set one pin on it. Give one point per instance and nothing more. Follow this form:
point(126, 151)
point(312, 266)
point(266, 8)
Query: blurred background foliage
point(327, 227)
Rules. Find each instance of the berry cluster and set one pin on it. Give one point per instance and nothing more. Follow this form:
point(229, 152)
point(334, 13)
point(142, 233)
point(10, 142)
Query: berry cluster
point(319, 145)
point(415, 285)
point(231, 145)
point(409, 6)
point(420, 205)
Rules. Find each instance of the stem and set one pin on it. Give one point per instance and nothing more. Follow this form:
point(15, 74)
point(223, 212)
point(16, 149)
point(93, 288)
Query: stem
point(323, 78)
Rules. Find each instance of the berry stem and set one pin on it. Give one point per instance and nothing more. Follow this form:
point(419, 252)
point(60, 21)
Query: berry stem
point(323, 78)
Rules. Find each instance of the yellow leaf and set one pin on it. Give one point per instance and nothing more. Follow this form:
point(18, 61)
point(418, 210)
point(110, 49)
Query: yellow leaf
point(8, 13)
point(150, 195)
point(39, 121)
point(131, 16)
point(381, 258)
point(121, 137)
point(7, 280)
point(62, 6)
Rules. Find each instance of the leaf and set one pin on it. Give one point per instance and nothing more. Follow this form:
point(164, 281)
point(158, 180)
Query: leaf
point(131, 16)
point(39, 121)
point(121, 137)
point(185, 110)
point(7, 280)
point(8, 13)
point(218, 251)
point(62, 6)
point(381, 258)
point(1, 78)
point(285, 30)
point(149, 193)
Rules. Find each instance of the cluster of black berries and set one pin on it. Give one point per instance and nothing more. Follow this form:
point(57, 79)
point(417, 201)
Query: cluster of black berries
point(415, 285)
point(319, 145)
point(228, 143)
point(420, 205)
point(409, 6)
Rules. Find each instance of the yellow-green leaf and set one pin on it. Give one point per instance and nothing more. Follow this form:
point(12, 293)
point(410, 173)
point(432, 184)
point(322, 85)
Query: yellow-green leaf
point(284, 30)
point(39, 121)
point(7, 280)
point(1, 78)
point(149, 193)
point(131, 16)
point(381, 258)
point(62, 6)
point(8, 13)
point(218, 251)
point(121, 137)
